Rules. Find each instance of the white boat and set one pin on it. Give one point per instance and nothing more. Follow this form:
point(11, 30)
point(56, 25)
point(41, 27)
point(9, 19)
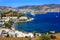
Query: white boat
point(57, 16)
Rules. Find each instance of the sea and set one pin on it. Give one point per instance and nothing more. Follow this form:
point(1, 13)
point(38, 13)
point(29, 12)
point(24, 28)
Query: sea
point(42, 23)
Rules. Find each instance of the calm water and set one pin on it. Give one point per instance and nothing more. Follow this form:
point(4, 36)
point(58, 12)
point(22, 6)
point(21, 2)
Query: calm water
point(42, 23)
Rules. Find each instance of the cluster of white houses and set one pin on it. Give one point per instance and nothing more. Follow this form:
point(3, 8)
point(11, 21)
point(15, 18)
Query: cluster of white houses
point(13, 18)
point(15, 33)
point(16, 19)
point(4, 32)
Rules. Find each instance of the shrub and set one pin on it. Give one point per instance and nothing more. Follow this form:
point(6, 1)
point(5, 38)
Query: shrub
point(44, 37)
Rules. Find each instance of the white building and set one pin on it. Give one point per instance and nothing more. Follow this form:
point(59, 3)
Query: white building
point(6, 19)
point(9, 17)
point(13, 17)
point(6, 30)
point(21, 34)
point(31, 35)
point(3, 32)
point(11, 33)
point(23, 18)
point(15, 33)
point(38, 34)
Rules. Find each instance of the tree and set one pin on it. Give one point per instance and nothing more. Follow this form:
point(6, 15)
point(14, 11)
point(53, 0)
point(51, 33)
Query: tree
point(10, 22)
point(8, 25)
point(3, 15)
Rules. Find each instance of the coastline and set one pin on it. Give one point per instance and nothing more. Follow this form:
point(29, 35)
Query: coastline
point(27, 20)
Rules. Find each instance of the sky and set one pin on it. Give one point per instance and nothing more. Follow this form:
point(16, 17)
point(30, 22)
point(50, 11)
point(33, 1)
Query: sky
point(17, 3)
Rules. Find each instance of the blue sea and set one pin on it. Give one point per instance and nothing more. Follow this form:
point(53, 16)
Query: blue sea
point(42, 23)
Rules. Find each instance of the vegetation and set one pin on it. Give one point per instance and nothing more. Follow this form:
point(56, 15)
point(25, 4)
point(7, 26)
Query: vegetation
point(8, 25)
point(10, 22)
point(29, 38)
point(34, 33)
point(53, 37)
point(12, 13)
point(3, 15)
point(44, 37)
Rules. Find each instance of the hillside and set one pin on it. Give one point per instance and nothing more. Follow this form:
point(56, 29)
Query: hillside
point(6, 9)
point(33, 9)
point(41, 8)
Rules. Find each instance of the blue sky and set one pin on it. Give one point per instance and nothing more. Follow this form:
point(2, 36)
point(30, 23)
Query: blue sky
point(17, 3)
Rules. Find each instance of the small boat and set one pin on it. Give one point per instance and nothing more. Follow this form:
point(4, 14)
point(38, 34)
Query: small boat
point(57, 16)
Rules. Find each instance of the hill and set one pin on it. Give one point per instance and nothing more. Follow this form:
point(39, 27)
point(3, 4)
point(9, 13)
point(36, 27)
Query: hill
point(33, 9)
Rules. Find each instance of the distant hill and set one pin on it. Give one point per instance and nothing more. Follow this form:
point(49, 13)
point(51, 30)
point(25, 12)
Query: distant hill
point(40, 6)
point(6, 9)
point(43, 8)
point(33, 8)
